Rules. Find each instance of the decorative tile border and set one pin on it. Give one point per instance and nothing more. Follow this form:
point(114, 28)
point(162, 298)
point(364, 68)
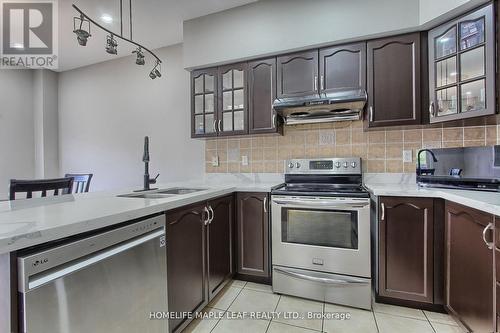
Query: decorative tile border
point(381, 151)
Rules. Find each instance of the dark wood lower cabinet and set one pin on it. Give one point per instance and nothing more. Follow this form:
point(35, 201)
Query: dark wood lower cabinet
point(186, 268)
point(406, 240)
point(199, 256)
point(469, 268)
point(252, 228)
point(220, 243)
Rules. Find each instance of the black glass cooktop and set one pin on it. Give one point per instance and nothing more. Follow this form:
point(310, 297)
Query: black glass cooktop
point(329, 190)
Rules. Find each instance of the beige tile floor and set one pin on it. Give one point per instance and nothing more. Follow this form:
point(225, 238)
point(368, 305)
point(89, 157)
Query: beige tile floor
point(239, 297)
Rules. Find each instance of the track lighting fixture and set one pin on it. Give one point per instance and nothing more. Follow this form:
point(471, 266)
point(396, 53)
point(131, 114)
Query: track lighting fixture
point(82, 35)
point(111, 42)
point(140, 57)
point(155, 72)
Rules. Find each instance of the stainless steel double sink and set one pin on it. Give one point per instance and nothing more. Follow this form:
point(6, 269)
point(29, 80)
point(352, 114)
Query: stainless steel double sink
point(162, 193)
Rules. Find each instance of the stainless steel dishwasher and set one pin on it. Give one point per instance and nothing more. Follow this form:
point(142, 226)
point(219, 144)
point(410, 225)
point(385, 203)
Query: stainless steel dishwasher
point(109, 282)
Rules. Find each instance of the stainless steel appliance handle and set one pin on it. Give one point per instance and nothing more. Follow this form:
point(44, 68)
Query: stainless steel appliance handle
point(318, 203)
point(382, 217)
point(346, 282)
point(265, 204)
point(485, 230)
point(315, 82)
point(207, 212)
point(274, 120)
point(322, 82)
point(371, 113)
point(431, 109)
point(212, 213)
point(51, 275)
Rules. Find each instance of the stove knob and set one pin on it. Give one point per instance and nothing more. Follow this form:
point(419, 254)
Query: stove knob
point(290, 165)
point(346, 164)
point(354, 164)
point(337, 164)
point(297, 165)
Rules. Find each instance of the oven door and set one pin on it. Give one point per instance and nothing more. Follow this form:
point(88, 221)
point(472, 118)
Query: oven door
point(322, 234)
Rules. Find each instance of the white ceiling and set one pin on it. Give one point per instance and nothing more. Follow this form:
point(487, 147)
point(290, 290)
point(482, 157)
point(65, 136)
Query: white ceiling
point(156, 23)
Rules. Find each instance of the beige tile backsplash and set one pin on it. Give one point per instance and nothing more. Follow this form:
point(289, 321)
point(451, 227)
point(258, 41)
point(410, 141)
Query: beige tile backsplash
point(381, 151)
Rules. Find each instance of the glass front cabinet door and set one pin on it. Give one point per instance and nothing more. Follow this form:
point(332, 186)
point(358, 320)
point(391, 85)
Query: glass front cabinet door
point(233, 100)
point(204, 103)
point(462, 67)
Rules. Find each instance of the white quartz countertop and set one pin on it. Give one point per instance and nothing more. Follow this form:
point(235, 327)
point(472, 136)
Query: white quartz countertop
point(485, 201)
point(25, 223)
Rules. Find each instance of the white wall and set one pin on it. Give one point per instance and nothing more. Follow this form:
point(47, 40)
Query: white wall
point(46, 131)
point(433, 12)
point(105, 110)
point(272, 26)
point(16, 127)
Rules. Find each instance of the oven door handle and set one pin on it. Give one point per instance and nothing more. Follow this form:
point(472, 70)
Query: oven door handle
point(344, 282)
point(320, 203)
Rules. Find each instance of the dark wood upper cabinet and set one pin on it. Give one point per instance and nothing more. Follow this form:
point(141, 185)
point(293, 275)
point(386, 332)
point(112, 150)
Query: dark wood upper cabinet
point(406, 233)
point(186, 262)
point(297, 74)
point(261, 95)
point(233, 104)
point(469, 267)
point(393, 80)
point(342, 67)
point(204, 98)
point(462, 67)
point(252, 227)
point(220, 243)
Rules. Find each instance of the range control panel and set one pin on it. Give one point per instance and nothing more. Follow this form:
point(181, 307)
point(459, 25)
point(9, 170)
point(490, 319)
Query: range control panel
point(345, 165)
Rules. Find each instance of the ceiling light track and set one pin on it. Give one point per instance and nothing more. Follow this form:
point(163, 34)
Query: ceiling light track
point(111, 44)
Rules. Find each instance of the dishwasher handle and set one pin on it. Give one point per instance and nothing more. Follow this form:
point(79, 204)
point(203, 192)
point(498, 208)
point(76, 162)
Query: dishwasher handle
point(45, 277)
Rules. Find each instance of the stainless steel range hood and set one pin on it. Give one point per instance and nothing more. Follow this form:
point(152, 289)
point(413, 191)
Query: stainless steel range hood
point(324, 107)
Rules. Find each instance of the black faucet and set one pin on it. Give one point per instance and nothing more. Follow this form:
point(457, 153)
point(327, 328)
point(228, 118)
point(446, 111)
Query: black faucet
point(419, 169)
point(145, 158)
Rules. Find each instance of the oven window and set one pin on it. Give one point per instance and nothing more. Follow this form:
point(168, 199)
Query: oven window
point(332, 228)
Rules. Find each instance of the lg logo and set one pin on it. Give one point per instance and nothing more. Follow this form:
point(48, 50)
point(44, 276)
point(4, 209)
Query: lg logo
point(27, 28)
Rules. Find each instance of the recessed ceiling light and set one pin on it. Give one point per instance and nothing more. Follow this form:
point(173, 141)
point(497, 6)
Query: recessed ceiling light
point(106, 18)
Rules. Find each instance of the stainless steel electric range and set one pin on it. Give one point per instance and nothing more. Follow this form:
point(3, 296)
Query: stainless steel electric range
point(321, 232)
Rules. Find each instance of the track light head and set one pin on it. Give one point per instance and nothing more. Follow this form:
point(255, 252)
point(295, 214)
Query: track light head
point(111, 45)
point(152, 75)
point(82, 35)
point(155, 72)
point(140, 57)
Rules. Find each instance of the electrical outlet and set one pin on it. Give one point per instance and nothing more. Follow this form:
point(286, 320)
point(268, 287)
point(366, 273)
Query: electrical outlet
point(407, 156)
point(326, 138)
point(215, 161)
point(244, 160)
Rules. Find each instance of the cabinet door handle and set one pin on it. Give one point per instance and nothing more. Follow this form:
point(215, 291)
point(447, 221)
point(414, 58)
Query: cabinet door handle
point(485, 230)
point(322, 82)
point(210, 219)
point(205, 209)
point(218, 125)
point(265, 204)
point(371, 113)
point(382, 215)
point(215, 127)
point(315, 82)
point(274, 120)
point(431, 109)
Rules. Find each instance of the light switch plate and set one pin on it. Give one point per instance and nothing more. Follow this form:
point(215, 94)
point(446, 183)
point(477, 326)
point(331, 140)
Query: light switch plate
point(407, 156)
point(215, 161)
point(326, 138)
point(244, 160)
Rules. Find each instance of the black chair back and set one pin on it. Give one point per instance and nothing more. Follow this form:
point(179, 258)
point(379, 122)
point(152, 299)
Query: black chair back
point(81, 181)
point(59, 186)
